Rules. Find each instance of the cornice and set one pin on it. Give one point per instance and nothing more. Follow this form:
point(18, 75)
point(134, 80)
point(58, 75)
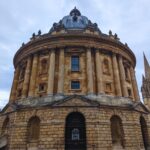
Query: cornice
point(48, 41)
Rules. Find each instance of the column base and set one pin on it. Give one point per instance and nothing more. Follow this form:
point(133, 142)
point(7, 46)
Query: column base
point(99, 94)
point(60, 94)
point(50, 95)
point(91, 95)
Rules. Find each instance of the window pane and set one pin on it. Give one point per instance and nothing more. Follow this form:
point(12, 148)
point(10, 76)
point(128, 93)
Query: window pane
point(75, 63)
point(75, 134)
point(75, 85)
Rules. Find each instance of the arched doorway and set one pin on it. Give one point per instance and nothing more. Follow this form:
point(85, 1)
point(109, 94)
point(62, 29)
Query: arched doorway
point(144, 132)
point(4, 134)
point(117, 132)
point(33, 129)
point(75, 132)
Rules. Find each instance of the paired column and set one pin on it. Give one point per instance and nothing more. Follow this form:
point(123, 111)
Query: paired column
point(134, 84)
point(116, 76)
point(14, 85)
point(51, 73)
point(122, 77)
point(60, 89)
point(99, 72)
point(33, 75)
point(27, 78)
point(89, 72)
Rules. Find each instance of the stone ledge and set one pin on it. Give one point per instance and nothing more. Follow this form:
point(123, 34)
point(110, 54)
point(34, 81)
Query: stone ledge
point(101, 99)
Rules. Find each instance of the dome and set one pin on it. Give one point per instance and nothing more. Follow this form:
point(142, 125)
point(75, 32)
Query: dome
point(74, 21)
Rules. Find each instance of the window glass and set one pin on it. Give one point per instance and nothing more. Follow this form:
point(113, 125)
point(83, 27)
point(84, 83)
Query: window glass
point(75, 85)
point(129, 93)
point(75, 63)
point(75, 134)
point(42, 87)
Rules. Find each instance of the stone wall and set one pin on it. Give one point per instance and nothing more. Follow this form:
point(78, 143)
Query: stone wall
point(52, 128)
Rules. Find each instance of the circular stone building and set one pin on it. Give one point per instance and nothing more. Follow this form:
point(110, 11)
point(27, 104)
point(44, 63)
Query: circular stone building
point(74, 88)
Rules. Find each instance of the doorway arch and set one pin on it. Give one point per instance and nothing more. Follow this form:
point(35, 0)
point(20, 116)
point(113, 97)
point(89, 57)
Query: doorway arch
point(75, 132)
point(144, 131)
point(117, 132)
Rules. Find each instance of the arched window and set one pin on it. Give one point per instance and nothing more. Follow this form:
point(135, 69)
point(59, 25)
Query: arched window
point(75, 132)
point(33, 128)
point(106, 66)
point(5, 126)
point(117, 133)
point(44, 66)
point(144, 131)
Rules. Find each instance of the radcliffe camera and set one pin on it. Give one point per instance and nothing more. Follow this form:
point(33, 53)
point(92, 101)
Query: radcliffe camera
point(75, 88)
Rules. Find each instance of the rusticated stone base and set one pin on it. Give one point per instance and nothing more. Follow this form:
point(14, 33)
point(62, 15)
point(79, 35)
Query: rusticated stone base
point(53, 120)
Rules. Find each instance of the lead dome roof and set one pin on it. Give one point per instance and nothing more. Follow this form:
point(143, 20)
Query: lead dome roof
point(74, 21)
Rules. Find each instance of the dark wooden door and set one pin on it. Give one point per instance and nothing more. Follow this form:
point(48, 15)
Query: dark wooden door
point(75, 132)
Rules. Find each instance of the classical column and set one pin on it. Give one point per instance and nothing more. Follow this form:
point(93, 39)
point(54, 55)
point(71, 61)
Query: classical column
point(89, 72)
point(33, 75)
point(116, 76)
point(99, 72)
point(51, 73)
point(60, 89)
point(14, 85)
point(27, 78)
point(134, 84)
point(122, 77)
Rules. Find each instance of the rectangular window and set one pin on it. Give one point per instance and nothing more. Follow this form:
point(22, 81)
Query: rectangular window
point(75, 85)
point(22, 73)
point(42, 87)
point(129, 93)
point(108, 88)
point(126, 73)
point(19, 93)
point(75, 63)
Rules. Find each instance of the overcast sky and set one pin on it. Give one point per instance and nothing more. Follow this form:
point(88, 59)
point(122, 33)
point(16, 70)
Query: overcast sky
point(20, 18)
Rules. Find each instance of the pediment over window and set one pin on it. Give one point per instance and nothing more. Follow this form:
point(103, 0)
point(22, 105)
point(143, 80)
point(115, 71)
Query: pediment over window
point(76, 100)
